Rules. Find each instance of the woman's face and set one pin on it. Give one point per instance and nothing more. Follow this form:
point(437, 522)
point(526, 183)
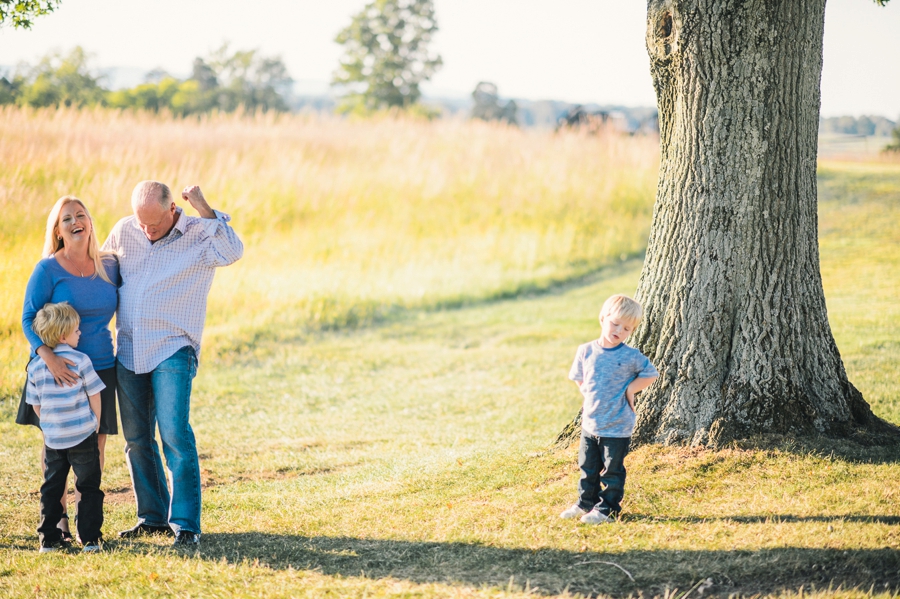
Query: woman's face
point(74, 224)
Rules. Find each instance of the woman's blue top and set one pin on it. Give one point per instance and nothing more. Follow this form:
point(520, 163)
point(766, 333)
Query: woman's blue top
point(93, 298)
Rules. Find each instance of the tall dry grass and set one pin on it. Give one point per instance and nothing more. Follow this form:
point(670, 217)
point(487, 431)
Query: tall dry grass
point(342, 220)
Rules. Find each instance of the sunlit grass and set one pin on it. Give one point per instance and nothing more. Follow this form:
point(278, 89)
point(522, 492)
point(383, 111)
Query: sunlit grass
point(859, 233)
point(409, 458)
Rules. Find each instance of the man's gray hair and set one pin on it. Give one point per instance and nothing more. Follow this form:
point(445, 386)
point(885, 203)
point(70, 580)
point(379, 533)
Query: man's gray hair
point(148, 192)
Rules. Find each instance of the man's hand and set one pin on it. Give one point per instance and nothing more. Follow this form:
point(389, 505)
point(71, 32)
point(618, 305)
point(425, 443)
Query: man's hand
point(194, 196)
point(59, 367)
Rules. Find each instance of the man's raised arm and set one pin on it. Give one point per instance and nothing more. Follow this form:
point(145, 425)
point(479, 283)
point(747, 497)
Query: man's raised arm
point(226, 247)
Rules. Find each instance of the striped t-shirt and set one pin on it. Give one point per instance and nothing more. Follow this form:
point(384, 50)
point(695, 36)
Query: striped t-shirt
point(66, 416)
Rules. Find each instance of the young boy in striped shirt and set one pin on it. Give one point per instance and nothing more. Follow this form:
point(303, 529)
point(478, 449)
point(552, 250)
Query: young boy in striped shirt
point(70, 419)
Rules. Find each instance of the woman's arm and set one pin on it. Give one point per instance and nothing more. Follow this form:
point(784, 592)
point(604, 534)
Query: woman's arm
point(59, 367)
point(39, 292)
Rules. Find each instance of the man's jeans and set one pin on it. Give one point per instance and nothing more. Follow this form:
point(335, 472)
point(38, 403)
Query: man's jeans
point(162, 397)
point(84, 460)
point(601, 460)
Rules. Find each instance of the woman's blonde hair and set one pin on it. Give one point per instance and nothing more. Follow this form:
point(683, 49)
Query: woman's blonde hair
point(53, 240)
point(55, 321)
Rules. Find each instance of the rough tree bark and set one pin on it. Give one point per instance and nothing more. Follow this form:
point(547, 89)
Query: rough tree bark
point(735, 316)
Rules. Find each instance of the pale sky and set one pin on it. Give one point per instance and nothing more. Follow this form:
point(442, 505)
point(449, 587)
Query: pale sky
point(573, 50)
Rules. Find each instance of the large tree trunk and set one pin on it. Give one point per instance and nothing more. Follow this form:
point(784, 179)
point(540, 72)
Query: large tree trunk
point(735, 316)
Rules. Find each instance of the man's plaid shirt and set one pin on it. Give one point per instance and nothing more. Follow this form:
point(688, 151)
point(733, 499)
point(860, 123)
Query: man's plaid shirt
point(162, 300)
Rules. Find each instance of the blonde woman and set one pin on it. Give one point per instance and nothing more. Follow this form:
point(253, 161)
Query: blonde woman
point(74, 269)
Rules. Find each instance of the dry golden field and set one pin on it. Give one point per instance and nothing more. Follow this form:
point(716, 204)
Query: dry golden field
point(343, 220)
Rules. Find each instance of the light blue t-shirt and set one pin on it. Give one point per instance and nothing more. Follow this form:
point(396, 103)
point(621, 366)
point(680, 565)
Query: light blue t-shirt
point(606, 373)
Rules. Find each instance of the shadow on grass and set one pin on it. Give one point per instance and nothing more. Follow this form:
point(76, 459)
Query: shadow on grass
point(770, 519)
point(844, 450)
point(551, 571)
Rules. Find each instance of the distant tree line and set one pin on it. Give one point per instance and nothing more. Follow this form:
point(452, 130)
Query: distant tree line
point(224, 81)
point(864, 125)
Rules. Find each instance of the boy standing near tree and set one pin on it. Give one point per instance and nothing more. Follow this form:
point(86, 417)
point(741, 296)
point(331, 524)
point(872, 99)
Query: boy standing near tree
point(608, 374)
point(70, 419)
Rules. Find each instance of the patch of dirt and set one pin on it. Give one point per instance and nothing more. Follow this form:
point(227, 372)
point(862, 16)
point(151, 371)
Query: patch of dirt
point(118, 496)
point(284, 473)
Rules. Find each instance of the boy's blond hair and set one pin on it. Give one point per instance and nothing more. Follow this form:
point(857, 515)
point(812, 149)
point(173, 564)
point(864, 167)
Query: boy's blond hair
point(624, 307)
point(55, 321)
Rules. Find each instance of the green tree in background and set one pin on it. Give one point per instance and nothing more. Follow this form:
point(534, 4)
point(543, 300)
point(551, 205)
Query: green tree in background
point(21, 12)
point(386, 54)
point(59, 80)
point(152, 95)
point(244, 78)
point(225, 81)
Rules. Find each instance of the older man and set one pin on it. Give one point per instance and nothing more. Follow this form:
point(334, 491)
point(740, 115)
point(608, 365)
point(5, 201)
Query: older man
point(167, 260)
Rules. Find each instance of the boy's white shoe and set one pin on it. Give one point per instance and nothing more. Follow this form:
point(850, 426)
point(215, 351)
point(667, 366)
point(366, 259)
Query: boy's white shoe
point(58, 545)
point(595, 517)
point(573, 512)
point(91, 548)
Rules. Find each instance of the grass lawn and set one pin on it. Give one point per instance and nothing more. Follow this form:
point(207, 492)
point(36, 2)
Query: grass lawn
point(409, 459)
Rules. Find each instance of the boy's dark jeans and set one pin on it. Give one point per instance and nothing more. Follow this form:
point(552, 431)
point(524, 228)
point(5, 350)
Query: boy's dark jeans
point(84, 460)
point(601, 460)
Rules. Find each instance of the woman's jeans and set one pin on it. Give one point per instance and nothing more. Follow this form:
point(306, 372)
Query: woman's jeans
point(162, 397)
point(602, 483)
point(84, 459)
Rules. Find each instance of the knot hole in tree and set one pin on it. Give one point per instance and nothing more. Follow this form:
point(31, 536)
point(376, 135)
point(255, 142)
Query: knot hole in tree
point(665, 27)
point(663, 38)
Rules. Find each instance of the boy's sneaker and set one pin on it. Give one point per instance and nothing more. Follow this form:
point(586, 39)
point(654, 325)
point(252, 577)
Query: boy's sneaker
point(573, 512)
point(595, 517)
point(57, 545)
point(91, 548)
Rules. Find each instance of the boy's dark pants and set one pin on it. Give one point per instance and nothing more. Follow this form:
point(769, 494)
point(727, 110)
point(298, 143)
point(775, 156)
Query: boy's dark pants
point(601, 460)
point(84, 460)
